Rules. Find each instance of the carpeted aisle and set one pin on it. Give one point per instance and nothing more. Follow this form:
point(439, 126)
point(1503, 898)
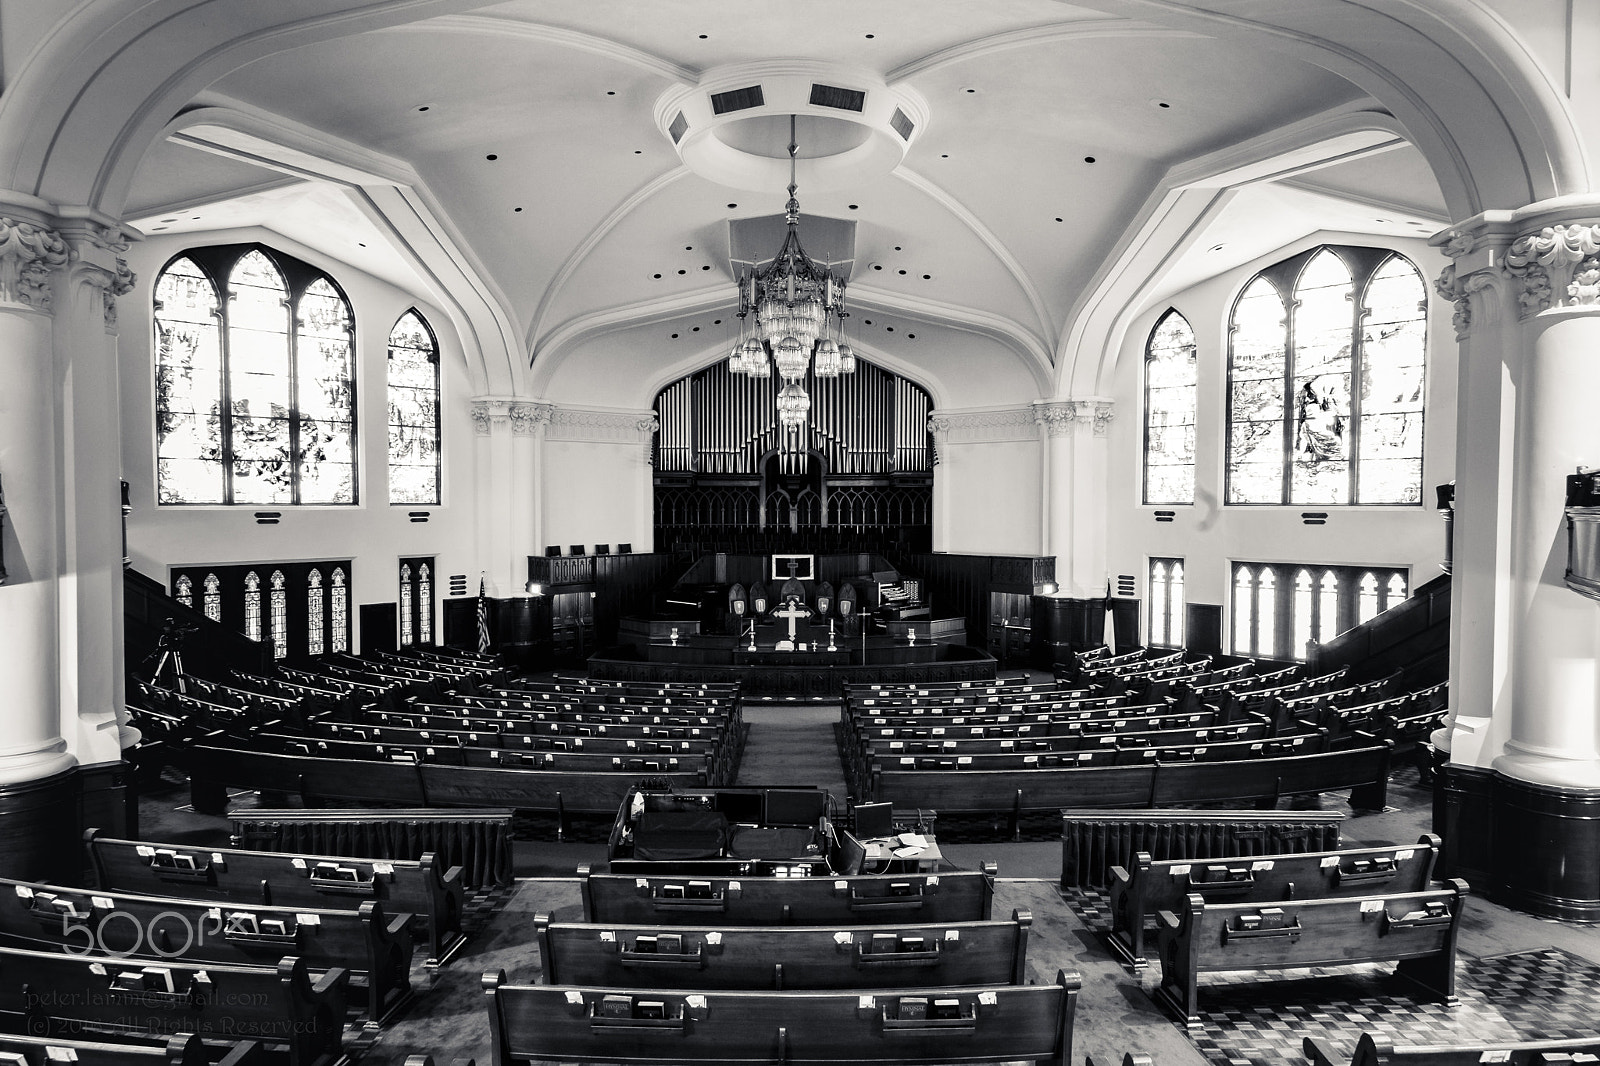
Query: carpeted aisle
point(792, 744)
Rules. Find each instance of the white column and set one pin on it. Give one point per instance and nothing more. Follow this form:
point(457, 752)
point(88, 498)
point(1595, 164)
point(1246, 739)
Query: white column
point(1087, 505)
point(528, 422)
point(645, 534)
point(491, 422)
point(31, 744)
point(1488, 335)
point(85, 343)
point(1057, 424)
point(939, 426)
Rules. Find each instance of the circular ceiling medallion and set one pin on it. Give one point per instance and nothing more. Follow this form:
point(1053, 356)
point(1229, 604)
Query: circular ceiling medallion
point(732, 127)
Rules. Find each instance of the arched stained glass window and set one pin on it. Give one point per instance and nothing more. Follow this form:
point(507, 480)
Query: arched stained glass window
point(255, 393)
point(279, 615)
point(1166, 602)
point(314, 610)
point(413, 412)
point(252, 606)
point(406, 600)
point(1326, 387)
point(1170, 378)
point(425, 603)
point(183, 591)
point(1158, 599)
point(213, 597)
point(339, 612)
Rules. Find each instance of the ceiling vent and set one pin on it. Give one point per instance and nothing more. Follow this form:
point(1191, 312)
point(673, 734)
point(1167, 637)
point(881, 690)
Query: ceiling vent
point(679, 127)
point(736, 100)
point(833, 96)
point(902, 125)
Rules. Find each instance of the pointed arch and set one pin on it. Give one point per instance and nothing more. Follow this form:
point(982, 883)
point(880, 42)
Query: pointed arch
point(1171, 389)
point(413, 393)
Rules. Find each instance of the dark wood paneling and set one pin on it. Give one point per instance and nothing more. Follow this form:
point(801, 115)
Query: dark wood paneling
point(39, 829)
point(1202, 628)
point(108, 800)
point(1547, 848)
point(1125, 617)
point(1463, 817)
point(1414, 635)
point(379, 622)
point(211, 648)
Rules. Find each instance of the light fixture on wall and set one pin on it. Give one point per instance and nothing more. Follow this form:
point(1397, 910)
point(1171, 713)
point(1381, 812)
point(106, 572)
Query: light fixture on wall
point(798, 306)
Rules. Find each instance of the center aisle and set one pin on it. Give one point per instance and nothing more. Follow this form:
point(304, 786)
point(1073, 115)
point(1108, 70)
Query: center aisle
point(792, 744)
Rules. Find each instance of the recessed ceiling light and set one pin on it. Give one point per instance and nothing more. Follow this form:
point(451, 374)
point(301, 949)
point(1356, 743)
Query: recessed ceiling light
point(1380, 220)
point(898, 248)
point(733, 205)
point(969, 90)
point(855, 207)
point(491, 157)
point(1162, 104)
point(361, 244)
point(703, 36)
point(424, 107)
point(913, 336)
point(927, 277)
point(870, 36)
point(1216, 248)
point(716, 321)
point(517, 209)
point(877, 266)
point(902, 271)
point(683, 272)
point(1060, 219)
point(638, 151)
point(695, 330)
point(169, 220)
point(707, 266)
point(611, 92)
point(655, 275)
point(1088, 159)
point(674, 336)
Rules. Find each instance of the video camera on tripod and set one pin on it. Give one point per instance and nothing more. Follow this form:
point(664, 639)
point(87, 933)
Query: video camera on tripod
point(168, 655)
point(173, 632)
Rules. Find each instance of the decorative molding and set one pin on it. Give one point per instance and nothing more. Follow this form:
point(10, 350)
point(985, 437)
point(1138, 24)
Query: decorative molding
point(28, 254)
point(1460, 287)
point(489, 413)
point(601, 425)
point(1458, 244)
point(1557, 267)
point(528, 418)
point(982, 425)
point(121, 285)
point(1096, 414)
point(1059, 419)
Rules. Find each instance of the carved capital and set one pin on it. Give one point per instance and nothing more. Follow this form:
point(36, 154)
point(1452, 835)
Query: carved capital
point(1460, 289)
point(1096, 414)
point(1458, 244)
point(29, 253)
point(939, 425)
point(489, 413)
point(1557, 267)
point(647, 426)
point(528, 418)
point(1058, 419)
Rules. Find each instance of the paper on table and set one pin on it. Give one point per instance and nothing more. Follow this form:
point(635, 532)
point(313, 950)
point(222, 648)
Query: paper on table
point(913, 840)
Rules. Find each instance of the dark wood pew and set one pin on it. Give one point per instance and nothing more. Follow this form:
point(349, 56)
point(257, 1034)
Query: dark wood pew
point(860, 899)
point(784, 956)
point(182, 1049)
point(47, 992)
point(1416, 929)
point(1150, 886)
point(910, 1026)
point(1376, 1051)
point(1365, 771)
point(373, 946)
point(1093, 841)
point(286, 879)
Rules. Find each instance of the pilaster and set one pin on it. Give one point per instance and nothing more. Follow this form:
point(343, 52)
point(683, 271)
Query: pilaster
point(496, 507)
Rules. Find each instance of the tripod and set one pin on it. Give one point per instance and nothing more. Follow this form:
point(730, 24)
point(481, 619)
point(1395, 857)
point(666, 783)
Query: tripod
point(168, 658)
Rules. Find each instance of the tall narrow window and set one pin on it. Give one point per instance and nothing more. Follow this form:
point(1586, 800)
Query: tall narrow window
point(1328, 622)
point(1316, 603)
point(183, 591)
point(407, 605)
point(1305, 606)
point(413, 412)
point(1326, 374)
point(1170, 378)
point(213, 597)
point(314, 610)
point(339, 622)
point(1166, 603)
point(252, 606)
point(255, 393)
point(416, 601)
point(279, 614)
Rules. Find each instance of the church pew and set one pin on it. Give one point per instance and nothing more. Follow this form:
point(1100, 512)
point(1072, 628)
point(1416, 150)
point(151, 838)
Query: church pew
point(1261, 700)
point(889, 740)
point(1120, 755)
point(1149, 886)
point(1092, 841)
point(534, 720)
point(180, 1049)
point(957, 896)
point(1214, 693)
point(1416, 929)
point(420, 886)
point(784, 956)
point(373, 946)
point(1363, 770)
point(45, 992)
point(902, 1026)
point(1382, 1051)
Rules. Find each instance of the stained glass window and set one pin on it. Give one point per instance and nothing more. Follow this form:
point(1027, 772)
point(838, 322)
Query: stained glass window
point(1166, 603)
point(1326, 381)
point(339, 621)
point(183, 591)
point(425, 603)
point(279, 615)
point(413, 412)
point(314, 623)
point(406, 606)
point(1170, 378)
point(252, 606)
point(1319, 603)
point(255, 393)
point(213, 597)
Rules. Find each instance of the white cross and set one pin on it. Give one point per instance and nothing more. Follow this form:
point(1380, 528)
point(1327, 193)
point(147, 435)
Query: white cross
point(792, 612)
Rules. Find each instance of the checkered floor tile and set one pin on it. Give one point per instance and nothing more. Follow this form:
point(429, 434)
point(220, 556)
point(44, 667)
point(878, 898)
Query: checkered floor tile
point(1252, 1019)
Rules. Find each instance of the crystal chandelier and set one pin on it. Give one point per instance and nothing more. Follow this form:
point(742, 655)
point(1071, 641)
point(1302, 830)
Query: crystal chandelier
point(799, 312)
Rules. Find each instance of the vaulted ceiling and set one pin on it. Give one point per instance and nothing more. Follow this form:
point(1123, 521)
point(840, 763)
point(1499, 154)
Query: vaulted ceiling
point(537, 135)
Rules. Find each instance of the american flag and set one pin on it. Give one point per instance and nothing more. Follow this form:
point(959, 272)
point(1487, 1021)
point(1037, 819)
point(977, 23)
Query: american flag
point(483, 619)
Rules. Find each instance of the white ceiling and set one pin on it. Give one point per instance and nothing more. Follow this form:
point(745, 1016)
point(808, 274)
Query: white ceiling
point(586, 200)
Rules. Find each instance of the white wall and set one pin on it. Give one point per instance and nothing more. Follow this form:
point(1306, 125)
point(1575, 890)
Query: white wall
point(1208, 535)
point(372, 534)
point(988, 486)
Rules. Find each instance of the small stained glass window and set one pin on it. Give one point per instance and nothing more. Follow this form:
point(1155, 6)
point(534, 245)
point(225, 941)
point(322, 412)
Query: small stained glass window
point(252, 606)
point(314, 610)
point(279, 615)
point(213, 597)
point(339, 612)
point(183, 591)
